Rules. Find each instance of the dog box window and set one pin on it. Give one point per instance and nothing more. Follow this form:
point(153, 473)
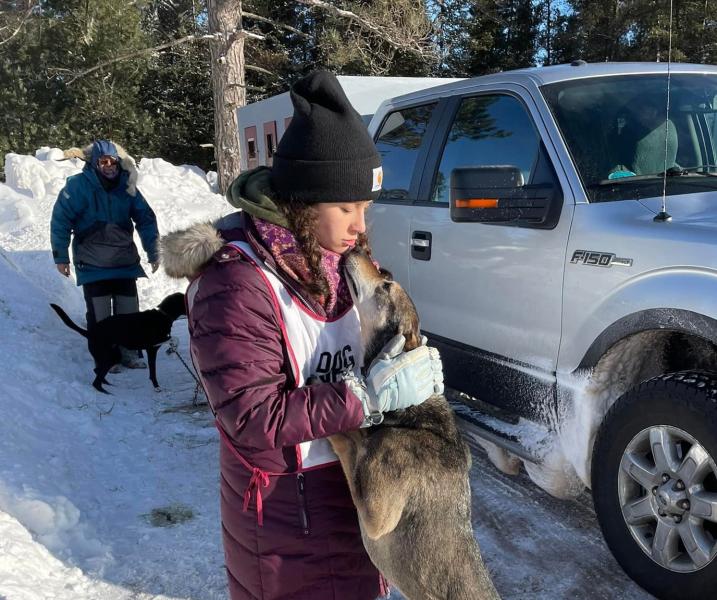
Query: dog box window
point(270, 140)
point(252, 148)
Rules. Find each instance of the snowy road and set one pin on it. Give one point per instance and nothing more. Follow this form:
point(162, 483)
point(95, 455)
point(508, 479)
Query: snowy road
point(538, 547)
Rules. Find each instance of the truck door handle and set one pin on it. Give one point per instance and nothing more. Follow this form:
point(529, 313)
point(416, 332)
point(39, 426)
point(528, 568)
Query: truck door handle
point(421, 245)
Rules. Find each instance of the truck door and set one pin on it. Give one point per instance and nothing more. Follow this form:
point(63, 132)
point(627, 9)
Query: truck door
point(489, 295)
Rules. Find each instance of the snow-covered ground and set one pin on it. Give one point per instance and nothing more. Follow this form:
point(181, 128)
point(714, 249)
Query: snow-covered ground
point(116, 497)
point(86, 479)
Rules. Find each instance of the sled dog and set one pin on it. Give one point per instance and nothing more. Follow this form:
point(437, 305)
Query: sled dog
point(409, 476)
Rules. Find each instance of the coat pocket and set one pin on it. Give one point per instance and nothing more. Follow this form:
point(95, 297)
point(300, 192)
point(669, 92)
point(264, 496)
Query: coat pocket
point(105, 245)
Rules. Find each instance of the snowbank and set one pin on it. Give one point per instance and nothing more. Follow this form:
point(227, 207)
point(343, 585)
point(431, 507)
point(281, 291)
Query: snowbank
point(80, 475)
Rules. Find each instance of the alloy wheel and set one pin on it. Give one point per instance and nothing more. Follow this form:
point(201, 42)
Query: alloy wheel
point(667, 488)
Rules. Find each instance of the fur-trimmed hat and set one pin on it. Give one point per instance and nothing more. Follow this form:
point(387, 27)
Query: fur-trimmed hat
point(125, 160)
point(326, 153)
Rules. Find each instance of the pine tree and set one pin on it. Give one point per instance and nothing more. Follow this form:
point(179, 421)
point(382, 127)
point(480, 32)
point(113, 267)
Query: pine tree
point(300, 38)
point(619, 30)
point(104, 103)
point(42, 105)
point(21, 90)
point(176, 91)
point(485, 36)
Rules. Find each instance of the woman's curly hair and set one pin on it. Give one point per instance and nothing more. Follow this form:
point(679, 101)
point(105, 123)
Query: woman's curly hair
point(302, 220)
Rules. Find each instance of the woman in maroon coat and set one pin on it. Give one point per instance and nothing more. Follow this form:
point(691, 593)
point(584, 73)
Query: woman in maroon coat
point(268, 309)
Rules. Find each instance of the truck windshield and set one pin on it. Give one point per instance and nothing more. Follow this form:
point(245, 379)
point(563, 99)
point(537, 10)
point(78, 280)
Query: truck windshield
point(616, 131)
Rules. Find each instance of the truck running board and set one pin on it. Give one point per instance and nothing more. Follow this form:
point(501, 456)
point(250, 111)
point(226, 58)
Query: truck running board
point(476, 424)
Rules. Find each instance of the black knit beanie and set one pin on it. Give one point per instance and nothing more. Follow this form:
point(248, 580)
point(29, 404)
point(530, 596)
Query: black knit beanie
point(326, 153)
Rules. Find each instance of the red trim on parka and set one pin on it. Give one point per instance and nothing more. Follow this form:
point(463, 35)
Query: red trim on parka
point(259, 477)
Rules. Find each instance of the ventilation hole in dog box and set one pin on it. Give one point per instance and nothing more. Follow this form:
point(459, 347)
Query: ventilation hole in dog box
point(167, 516)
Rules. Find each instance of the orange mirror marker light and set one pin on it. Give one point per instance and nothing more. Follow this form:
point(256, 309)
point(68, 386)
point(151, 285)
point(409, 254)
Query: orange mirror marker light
point(477, 203)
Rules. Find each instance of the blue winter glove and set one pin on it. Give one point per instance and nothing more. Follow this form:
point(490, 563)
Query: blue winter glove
point(398, 379)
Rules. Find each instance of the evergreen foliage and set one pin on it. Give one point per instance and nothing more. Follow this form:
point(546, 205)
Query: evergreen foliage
point(160, 104)
point(175, 90)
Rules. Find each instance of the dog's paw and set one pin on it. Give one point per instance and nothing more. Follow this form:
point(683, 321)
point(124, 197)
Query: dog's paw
point(157, 389)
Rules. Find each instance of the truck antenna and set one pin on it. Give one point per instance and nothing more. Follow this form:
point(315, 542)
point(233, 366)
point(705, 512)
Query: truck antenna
point(663, 216)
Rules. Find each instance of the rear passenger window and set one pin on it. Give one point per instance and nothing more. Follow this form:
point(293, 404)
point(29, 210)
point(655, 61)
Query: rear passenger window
point(488, 130)
point(399, 143)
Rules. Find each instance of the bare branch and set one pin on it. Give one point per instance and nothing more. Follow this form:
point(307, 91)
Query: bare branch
point(251, 88)
point(128, 55)
point(274, 24)
point(410, 45)
point(240, 33)
point(341, 13)
point(24, 18)
point(154, 49)
point(258, 69)
point(104, 413)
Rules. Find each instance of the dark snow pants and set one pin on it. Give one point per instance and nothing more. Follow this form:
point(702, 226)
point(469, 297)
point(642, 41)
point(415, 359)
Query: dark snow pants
point(110, 297)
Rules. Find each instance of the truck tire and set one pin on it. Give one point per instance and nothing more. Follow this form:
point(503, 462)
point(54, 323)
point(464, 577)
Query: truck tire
point(654, 484)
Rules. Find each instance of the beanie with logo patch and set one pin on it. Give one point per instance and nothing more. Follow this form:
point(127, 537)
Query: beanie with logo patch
point(326, 153)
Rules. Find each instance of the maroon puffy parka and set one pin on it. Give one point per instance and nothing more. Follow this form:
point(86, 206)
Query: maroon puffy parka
point(299, 538)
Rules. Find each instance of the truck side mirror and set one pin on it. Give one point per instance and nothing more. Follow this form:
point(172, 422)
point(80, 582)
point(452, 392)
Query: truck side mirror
point(498, 194)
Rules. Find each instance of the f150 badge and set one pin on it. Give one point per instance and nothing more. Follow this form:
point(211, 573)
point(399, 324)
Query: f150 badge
point(599, 259)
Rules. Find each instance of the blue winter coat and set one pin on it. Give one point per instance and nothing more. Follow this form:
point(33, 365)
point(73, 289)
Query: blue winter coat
point(85, 210)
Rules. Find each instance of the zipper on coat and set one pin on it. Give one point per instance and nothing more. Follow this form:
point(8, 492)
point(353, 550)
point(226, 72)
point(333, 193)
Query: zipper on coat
point(301, 496)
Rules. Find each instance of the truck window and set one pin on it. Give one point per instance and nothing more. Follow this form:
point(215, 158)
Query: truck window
point(622, 141)
point(399, 142)
point(488, 130)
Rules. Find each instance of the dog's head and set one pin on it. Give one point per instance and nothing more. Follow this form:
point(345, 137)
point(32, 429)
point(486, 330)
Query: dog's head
point(384, 307)
point(173, 306)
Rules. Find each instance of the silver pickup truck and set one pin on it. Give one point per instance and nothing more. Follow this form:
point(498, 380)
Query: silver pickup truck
point(557, 230)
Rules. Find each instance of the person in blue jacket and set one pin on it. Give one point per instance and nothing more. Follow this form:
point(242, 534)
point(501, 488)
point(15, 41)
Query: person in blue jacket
point(99, 209)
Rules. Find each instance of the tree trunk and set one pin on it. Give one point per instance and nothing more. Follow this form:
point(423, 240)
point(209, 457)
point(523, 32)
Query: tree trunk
point(227, 86)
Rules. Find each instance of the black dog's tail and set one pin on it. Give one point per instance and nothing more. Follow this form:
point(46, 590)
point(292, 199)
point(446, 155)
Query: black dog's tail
point(69, 322)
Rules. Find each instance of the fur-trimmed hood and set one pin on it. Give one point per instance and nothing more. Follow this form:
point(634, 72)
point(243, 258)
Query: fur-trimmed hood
point(127, 163)
point(185, 252)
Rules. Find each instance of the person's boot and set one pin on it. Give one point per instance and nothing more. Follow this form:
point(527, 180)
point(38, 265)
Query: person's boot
point(132, 359)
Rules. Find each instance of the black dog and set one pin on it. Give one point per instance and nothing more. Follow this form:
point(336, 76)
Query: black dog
point(145, 330)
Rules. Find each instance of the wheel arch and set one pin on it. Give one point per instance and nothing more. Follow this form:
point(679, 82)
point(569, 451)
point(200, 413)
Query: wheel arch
point(669, 320)
point(631, 350)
